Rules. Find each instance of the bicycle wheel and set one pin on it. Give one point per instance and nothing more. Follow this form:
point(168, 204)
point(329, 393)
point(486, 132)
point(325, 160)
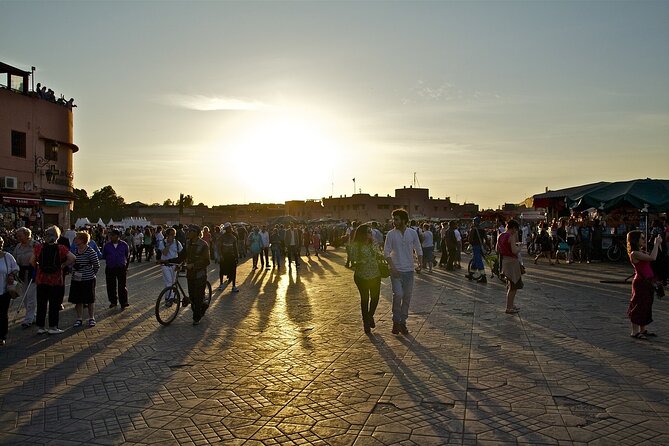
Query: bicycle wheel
point(167, 309)
point(614, 253)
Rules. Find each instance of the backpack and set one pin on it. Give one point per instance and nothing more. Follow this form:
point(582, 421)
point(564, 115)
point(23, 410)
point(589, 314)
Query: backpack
point(49, 259)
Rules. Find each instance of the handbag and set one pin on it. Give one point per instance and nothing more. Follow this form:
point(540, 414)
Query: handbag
point(16, 288)
point(384, 268)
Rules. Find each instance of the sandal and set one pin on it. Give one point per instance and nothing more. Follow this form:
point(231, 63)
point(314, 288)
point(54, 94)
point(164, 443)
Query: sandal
point(638, 336)
point(511, 310)
point(78, 323)
point(647, 333)
point(91, 322)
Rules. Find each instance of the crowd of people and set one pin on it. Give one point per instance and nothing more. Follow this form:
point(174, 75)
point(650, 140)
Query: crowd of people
point(399, 249)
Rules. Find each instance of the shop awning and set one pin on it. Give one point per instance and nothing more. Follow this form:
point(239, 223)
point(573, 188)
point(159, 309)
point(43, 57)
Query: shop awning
point(50, 202)
point(20, 201)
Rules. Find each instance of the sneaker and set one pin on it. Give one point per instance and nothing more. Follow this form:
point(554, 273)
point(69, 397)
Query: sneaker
point(54, 330)
point(403, 329)
point(78, 323)
point(91, 322)
point(396, 328)
point(112, 305)
point(235, 289)
point(221, 287)
point(41, 331)
point(124, 306)
point(482, 279)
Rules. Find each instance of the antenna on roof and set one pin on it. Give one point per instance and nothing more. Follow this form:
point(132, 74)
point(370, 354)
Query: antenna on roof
point(415, 180)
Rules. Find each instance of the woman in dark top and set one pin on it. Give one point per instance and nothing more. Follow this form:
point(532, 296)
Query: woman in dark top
point(367, 277)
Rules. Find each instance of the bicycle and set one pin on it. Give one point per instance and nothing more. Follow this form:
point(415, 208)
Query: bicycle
point(172, 297)
point(616, 251)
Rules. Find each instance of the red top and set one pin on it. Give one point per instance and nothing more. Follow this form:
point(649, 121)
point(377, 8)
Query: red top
point(643, 269)
point(504, 245)
point(54, 279)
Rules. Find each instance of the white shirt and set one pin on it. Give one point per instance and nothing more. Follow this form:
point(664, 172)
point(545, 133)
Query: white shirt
point(400, 248)
point(377, 235)
point(173, 250)
point(458, 236)
point(264, 236)
point(428, 239)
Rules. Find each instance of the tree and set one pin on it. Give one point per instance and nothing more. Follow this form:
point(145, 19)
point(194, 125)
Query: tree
point(168, 202)
point(82, 204)
point(188, 201)
point(106, 204)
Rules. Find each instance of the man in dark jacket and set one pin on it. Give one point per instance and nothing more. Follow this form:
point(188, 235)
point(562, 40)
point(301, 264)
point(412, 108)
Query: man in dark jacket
point(197, 260)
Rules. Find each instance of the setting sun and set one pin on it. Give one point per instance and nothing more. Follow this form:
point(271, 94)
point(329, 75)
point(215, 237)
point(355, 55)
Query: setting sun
point(284, 157)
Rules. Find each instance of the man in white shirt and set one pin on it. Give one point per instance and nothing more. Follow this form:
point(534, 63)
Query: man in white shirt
point(401, 243)
point(264, 254)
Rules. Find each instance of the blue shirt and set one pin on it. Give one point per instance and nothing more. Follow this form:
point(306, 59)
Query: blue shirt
point(116, 256)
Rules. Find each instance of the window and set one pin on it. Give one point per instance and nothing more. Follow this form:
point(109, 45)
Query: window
point(18, 144)
point(51, 151)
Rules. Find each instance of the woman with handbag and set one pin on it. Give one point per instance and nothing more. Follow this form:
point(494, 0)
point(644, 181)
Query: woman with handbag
point(365, 258)
point(8, 277)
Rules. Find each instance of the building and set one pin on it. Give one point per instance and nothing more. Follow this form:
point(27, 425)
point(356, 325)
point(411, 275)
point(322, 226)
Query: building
point(417, 202)
point(36, 148)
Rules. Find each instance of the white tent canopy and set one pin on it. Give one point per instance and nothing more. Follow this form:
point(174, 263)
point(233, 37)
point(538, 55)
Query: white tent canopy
point(81, 222)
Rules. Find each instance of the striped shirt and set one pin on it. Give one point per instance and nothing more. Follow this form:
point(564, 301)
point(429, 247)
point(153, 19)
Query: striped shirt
point(86, 266)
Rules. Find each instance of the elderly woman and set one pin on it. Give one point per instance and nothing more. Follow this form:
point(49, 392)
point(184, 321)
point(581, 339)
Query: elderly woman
point(82, 286)
point(508, 248)
point(50, 259)
point(22, 253)
point(8, 272)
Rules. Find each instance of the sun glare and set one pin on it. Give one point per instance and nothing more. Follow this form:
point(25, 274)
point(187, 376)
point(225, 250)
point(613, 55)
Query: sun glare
point(283, 158)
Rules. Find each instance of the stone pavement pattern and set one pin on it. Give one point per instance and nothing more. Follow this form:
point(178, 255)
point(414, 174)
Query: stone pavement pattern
point(285, 361)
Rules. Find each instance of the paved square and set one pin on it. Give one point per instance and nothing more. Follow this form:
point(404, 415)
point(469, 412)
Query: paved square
point(285, 361)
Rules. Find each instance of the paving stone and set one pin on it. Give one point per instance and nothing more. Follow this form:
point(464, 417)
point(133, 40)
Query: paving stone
point(285, 361)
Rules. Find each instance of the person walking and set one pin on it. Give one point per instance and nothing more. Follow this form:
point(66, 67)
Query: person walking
point(545, 243)
point(50, 259)
point(508, 248)
point(23, 251)
point(365, 256)
point(640, 309)
point(428, 247)
point(255, 246)
point(401, 244)
point(292, 243)
point(264, 254)
point(9, 272)
point(276, 242)
point(197, 260)
point(116, 254)
point(82, 285)
point(229, 255)
point(477, 240)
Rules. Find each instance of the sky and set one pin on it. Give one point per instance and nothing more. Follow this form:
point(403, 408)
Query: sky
point(238, 102)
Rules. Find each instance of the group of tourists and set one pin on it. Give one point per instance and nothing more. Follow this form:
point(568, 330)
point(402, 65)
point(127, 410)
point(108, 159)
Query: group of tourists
point(38, 271)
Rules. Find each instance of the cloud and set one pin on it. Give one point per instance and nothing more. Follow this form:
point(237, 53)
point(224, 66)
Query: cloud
point(214, 103)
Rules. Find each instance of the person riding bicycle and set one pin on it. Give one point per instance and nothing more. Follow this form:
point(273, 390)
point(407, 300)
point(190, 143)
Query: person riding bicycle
point(477, 239)
point(197, 260)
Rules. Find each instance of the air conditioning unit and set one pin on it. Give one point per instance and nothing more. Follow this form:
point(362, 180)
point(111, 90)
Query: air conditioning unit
point(9, 182)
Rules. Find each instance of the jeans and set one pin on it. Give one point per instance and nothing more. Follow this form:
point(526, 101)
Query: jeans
point(402, 290)
point(369, 289)
point(477, 252)
point(277, 255)
point(293, 254)
point(264, 257)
